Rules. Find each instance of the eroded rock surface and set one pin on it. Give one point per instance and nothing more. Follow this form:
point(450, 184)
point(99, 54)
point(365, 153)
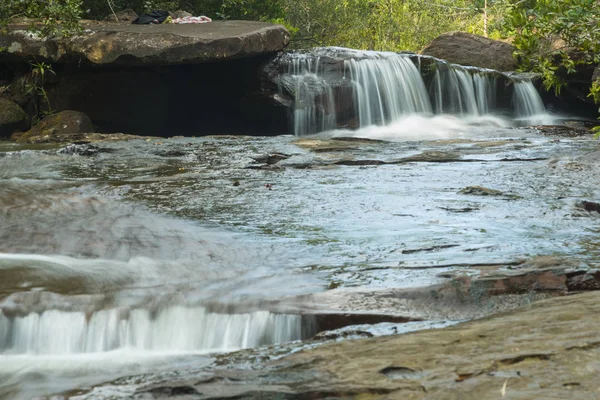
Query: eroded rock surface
point(545, 350)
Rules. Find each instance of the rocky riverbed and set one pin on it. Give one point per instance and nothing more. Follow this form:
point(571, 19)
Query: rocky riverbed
point(282, 245)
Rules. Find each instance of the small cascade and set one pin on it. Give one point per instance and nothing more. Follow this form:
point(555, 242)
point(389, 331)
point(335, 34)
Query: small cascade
point(334, 87)
point(462, 91)
point(485, 91)
point(386, 89)
point(310, 116)
point(171, 329)
point(528, 104)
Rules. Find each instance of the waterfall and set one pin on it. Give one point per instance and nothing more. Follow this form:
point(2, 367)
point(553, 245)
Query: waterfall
point(528, 104)
point(387, 88)
point(462, 91)
point(175, 328)
point(310, 116)
point(336, 87)
point(485, 90)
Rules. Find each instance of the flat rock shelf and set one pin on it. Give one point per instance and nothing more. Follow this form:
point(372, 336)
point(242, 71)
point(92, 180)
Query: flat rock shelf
point(104, 43)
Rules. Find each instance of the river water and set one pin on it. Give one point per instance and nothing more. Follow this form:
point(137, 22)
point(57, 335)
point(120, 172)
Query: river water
point(153, 255)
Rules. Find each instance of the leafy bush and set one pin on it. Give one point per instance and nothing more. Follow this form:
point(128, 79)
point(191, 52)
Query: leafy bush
point(57, 17)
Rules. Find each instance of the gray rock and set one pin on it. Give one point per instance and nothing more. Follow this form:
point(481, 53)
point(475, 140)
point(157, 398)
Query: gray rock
point(12, 117)
point(469, 49)
point(103, 43)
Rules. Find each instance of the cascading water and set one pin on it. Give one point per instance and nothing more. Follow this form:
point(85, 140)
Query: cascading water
point(171, 329)
point(528, 103)
point(310, 116)
point(385, 87)
point(462, 91)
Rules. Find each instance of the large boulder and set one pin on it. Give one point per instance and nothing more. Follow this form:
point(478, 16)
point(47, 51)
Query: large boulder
point(64, 126)
point(12, 117)
point(103, 43)
point(474, 50)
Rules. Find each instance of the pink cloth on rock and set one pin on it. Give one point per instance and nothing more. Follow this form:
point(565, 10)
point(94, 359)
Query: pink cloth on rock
point(192, 20)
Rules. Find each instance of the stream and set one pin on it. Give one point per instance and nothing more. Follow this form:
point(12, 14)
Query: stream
point(154, 255)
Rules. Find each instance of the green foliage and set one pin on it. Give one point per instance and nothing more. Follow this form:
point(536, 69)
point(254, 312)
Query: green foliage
point(553, 37)
point(389, 25)
point(258, 10)
point(57, 17)
point(33, 85)
point(365, 24)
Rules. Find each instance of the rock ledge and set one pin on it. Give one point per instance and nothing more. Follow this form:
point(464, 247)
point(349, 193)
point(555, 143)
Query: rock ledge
point(105, 43)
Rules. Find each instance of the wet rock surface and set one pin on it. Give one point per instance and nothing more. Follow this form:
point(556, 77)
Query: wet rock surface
point(563, 130)
point(481, 191)
point(544, 350)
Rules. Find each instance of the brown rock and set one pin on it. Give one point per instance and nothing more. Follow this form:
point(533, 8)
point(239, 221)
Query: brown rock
point(480, 191)
point(545, 350)
point(61, 127)
point(469, 49)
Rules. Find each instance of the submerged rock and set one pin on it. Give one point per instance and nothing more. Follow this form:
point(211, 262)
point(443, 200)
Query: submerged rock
point(562, 130)
point(590, 206)
point(12, 117)
point(271, 158)
point(60, 127)
point(432, 156)
point(79, 150)
point(480, 191)
point(324, 145)
point(469, 49)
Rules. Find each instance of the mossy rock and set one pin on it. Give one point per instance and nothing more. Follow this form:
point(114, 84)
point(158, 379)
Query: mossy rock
point(65, 126)
point(12, 117)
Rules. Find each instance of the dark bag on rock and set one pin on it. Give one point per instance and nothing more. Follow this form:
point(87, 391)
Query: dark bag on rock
point(154, 17)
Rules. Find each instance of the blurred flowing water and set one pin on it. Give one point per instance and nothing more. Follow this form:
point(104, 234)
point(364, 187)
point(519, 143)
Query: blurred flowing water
point(151, 255)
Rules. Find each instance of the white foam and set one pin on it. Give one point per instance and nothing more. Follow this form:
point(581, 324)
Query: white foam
point(424, 127)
